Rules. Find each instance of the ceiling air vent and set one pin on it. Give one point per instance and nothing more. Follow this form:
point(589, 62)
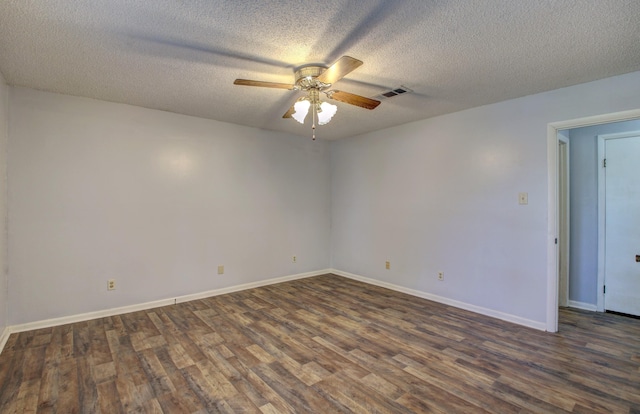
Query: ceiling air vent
point(394, 92)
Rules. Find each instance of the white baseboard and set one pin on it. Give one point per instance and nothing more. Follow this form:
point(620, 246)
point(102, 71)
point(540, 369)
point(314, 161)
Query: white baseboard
point(216, 292)
point(155, 304)
point(440, 299)
point(583, 306)
point(4, 337)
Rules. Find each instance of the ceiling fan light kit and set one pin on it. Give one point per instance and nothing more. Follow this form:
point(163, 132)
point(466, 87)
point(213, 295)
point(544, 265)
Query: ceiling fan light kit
point(315, 79)
point(326, 111)
point(301, 110)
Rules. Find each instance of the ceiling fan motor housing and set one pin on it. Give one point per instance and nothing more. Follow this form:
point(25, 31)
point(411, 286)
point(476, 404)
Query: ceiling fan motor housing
point(307, 77)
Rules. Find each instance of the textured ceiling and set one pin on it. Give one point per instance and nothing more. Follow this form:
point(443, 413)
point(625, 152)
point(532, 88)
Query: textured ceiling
point(182, 56)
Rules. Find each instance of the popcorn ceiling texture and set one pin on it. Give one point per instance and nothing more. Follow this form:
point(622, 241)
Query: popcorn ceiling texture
point(183, 56)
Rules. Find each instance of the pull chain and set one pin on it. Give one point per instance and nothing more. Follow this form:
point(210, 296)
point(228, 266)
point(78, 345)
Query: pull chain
point(313, 127)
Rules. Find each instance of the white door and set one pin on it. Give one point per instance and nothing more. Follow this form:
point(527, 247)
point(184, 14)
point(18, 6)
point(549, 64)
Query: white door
point(622, 225)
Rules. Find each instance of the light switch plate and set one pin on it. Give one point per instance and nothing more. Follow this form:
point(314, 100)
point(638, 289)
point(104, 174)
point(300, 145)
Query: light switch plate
point(523, 198)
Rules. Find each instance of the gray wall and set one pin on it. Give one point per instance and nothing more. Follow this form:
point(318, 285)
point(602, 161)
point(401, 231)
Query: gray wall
point(442, 195)
point(583, 267)
point(155, 200)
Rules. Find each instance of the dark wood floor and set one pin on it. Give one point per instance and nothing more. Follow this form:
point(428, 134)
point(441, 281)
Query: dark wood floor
point(322, 345)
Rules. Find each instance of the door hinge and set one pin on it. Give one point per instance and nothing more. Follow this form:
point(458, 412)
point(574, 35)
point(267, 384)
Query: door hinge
point(604, 289)
point(604, 163)
point(556, 240)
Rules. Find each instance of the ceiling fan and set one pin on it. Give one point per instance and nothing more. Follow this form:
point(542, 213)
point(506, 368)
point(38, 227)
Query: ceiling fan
point(316, 79)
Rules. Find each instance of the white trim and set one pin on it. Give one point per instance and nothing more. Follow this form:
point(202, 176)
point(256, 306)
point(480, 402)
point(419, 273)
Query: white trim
point(180, 299)
point(4, 337)
point(440, 299)
point(584, 306)
point(552, 204)
point(602, 210)
point(158, 303)
point(552, 229)
point(596, 120)
point(564, 239)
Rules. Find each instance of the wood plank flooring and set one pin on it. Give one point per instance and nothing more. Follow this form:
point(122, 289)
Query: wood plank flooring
point(322, 345)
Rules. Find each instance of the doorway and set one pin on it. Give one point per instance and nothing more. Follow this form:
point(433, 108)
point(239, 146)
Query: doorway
point(553, 248)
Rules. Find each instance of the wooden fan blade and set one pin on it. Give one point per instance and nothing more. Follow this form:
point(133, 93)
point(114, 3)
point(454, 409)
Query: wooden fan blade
point(339, 69)
point(247, 82)
point(353, 99)
point(289, 112)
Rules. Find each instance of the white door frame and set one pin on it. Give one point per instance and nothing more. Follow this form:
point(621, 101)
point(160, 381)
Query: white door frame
point(601, 211)
point(552, 200)
point(564, 229)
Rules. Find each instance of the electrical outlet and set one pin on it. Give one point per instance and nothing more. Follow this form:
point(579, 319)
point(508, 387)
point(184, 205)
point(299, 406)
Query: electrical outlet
point(387, 265)
point(441, 276)
point(294, 259)
point(111, 284)
point(220, 270)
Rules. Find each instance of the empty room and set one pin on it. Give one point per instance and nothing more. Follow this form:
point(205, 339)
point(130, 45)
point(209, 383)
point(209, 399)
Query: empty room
point(319, 207)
